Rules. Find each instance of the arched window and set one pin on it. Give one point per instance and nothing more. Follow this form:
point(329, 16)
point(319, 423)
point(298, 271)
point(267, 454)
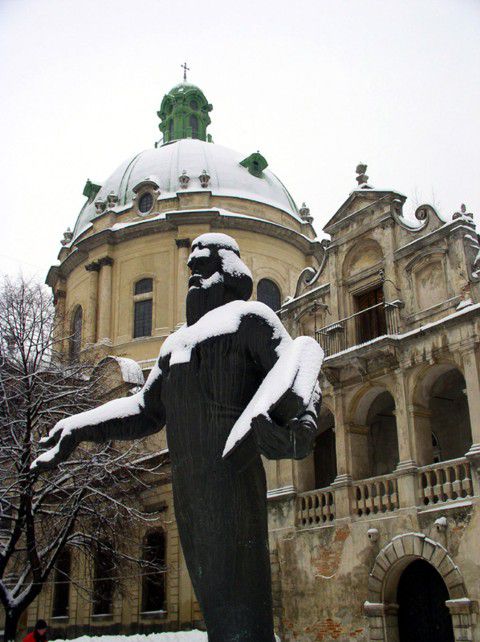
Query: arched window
point(76, 334)
point(269, 293)
point(103, 580)
point(61, 587)
point(142, 308)
point(170, 129)
point(194, 126)
point(154, 581)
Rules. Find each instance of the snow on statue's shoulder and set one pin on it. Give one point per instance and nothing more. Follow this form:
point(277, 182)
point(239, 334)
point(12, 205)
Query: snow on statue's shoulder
point(223, 320)
point(297, 370)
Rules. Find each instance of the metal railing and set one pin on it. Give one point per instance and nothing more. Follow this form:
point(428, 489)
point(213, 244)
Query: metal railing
point(354, 330)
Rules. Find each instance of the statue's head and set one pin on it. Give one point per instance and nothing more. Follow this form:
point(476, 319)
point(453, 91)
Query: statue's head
point(218, 275)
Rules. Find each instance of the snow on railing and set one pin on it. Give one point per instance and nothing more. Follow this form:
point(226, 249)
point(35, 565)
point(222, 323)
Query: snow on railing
point(360, 328)
point(315, 508)
point(375, 495)
point(445, 481)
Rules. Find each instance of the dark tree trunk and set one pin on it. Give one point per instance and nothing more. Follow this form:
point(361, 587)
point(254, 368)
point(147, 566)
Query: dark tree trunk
point(11, 623)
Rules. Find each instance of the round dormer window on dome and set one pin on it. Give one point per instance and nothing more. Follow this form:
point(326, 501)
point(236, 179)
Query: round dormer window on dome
point(145, 203)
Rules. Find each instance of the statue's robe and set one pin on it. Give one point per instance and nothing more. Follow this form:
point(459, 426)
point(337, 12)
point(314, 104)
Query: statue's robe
point(220, 504)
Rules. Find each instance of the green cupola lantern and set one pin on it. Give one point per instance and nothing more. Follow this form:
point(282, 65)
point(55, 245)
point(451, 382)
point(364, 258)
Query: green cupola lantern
point(184, 114)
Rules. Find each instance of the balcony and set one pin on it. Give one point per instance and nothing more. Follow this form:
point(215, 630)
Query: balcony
point(360, 328)
point(437, 485)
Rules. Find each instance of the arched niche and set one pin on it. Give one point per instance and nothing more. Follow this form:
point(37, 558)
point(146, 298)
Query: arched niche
point(428, 279)
point(442, 418)
point(373, 433)
point(363, 257)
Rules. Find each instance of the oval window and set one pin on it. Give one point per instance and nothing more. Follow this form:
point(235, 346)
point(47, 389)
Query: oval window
point(194, 105)
point(145, 203)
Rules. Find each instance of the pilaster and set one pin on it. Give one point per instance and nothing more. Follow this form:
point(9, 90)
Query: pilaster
point(407, 465)
point(183, 246)
point(343, 480)
point(93, 269)
point(105, 299)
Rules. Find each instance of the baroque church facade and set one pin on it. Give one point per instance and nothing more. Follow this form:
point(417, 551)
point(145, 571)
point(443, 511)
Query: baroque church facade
point(379, 525)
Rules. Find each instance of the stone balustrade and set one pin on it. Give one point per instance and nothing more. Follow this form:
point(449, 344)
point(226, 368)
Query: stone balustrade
point(316, 508)
point(437, 483)
point(375, 495)
point(445, 481)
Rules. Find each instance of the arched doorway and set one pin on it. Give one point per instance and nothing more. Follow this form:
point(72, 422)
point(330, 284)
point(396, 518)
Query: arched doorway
point(422, 613)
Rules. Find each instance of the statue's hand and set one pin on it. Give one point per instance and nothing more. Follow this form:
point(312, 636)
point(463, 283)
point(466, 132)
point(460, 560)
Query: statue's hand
point(60, 443)
point(294, 441)
point(303, 434)
point(274, 441)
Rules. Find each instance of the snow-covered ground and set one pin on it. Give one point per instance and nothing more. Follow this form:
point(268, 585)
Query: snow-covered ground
point(180, 636)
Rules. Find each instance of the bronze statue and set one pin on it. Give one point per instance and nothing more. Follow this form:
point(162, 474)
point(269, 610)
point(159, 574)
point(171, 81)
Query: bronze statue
point(229, 385)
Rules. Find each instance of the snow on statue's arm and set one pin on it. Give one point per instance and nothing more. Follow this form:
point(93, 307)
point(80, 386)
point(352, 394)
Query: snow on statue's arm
point(283, 412)
point(127, 418)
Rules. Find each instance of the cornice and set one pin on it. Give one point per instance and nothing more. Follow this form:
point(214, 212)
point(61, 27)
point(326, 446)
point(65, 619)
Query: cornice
point(172, 222)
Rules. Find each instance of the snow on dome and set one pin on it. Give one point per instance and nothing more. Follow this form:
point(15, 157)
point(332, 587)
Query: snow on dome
point(167, 163)
point(216, 238)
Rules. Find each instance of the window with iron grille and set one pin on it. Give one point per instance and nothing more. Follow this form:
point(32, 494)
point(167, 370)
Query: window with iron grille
point(145, 202)
point(143, 286)
point(61, 587)
point(194, 126)
point(154, 581)
point(103, 581)
point(76, 334)
point(142, 318)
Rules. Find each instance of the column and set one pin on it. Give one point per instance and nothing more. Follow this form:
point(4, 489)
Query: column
point(105, 300)
point(407, 466)
point(91, 312)
point(343, 480)
point(183, 246)
point(472, 380)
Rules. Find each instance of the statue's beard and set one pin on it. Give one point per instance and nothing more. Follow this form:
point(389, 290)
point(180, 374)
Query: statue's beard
point(201, 300)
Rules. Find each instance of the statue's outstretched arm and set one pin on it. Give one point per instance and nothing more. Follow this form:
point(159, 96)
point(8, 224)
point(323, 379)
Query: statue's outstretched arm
point(121, 419)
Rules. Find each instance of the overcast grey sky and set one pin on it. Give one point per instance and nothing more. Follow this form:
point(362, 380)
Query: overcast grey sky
point(315, 85)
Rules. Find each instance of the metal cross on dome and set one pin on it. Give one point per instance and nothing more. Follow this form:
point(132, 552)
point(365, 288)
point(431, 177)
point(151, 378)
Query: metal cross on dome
point(185, 69)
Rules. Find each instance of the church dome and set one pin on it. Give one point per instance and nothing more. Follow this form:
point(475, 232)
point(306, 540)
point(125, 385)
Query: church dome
point(231, 175)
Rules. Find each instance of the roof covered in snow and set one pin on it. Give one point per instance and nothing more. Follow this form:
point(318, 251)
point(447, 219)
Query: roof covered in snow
point(165, 164)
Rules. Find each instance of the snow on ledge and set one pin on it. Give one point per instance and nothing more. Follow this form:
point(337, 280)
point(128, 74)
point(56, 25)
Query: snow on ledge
point(131, 371)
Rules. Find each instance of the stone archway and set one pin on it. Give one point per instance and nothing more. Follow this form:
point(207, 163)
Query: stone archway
point(381, 608)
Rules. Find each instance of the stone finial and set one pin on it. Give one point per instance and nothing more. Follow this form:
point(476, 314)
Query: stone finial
point(100, 206)
point(204, 178)
point(362, 178)
point(305, 213)
point(67, 237)
point(184, 179)
point(463, 212)
point(112, 199)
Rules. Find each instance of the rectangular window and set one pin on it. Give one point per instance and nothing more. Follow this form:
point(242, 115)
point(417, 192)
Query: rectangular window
point(371, 323)
point(142, 325)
